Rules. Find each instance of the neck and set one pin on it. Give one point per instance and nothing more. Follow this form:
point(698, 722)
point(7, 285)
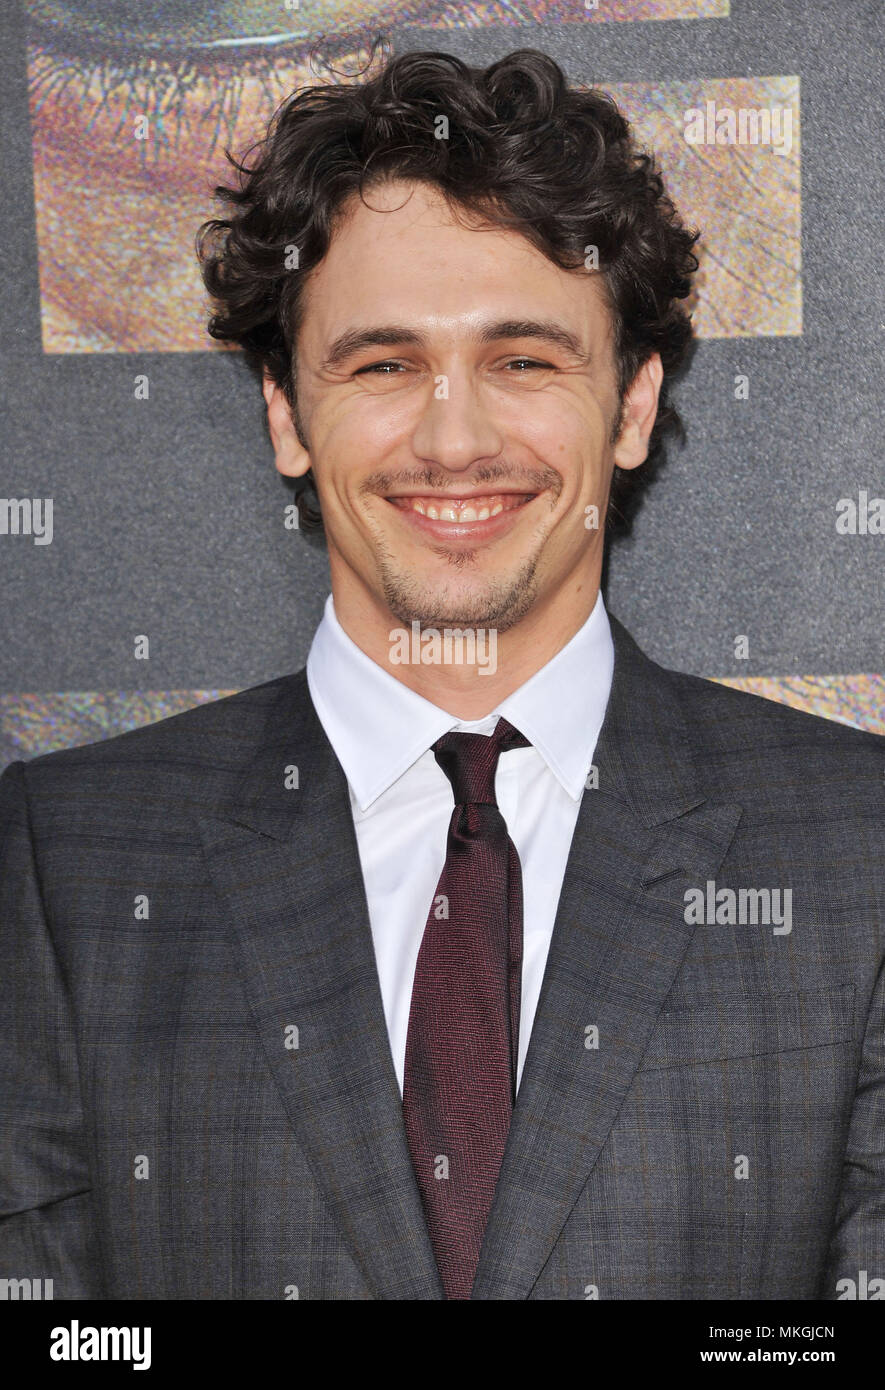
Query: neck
point(507, 661)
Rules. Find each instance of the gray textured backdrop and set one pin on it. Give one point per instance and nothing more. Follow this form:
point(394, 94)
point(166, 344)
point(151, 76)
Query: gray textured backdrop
point(168, 515)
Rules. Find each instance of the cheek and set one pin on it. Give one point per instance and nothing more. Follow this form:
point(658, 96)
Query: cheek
point(562, 426)
point(359, 433)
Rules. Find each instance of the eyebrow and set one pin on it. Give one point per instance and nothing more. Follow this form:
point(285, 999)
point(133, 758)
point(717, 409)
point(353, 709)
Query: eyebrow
point(396, 335)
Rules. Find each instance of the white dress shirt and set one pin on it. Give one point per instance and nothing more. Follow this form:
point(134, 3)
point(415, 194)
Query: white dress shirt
point(402, 801)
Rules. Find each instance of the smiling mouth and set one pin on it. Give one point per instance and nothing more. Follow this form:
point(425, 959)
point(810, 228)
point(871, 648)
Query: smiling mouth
point(458, 510)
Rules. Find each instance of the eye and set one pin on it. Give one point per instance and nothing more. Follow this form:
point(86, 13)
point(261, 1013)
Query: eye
point(380, 367)
point(167, 24)
point(530, 363)
point(205, 73)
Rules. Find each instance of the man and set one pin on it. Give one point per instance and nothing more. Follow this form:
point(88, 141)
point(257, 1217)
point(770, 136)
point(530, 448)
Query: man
point(485, 958)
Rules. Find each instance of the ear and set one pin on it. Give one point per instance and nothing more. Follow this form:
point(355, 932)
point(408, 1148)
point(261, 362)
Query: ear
point(639, 412)
point(290, 455)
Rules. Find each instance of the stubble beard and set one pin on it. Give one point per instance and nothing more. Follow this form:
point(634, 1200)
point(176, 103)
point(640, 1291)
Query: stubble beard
point(498, 604)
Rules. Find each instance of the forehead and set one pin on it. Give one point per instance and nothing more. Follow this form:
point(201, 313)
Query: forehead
point(405, 255)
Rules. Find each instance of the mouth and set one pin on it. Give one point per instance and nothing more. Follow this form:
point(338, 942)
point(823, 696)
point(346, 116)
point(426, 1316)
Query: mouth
point(473, 515)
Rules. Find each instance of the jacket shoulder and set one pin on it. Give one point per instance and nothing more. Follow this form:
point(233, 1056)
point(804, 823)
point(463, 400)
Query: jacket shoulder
point(733, 714)
point(197, 755)
point(785, 761)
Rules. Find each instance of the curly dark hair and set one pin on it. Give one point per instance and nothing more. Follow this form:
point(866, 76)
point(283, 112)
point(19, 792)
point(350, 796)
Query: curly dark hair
point(524, 151)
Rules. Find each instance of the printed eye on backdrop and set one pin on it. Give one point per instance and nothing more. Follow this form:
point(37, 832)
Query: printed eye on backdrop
point(133, 104)
point(196, 71)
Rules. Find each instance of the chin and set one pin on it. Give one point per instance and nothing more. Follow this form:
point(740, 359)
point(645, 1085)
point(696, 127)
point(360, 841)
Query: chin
point(497, 604)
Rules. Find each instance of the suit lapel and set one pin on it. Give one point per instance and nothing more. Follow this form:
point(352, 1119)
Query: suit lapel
point(618, 942)
point(286, 866)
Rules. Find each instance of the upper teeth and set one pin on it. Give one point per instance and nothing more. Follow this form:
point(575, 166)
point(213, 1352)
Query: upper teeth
point(456, 511)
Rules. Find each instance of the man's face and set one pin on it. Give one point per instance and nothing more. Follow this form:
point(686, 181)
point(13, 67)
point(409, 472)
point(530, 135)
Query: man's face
point(458, 394)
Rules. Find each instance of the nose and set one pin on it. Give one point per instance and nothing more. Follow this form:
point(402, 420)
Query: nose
point(455, 430)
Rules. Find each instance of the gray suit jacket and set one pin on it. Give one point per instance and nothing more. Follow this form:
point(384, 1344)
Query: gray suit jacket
point(167, 1134)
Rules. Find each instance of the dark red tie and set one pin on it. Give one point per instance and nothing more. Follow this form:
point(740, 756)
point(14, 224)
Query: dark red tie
point(461, 1047)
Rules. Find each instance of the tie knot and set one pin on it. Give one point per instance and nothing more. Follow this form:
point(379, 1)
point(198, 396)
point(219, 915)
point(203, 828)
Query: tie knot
point(471, 760)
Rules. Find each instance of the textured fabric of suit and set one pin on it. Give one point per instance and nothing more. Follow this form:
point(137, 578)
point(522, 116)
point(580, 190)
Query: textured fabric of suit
point(197, 1097)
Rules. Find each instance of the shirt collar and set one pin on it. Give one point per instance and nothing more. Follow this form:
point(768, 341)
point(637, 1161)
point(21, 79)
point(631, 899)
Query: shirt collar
point(378, 727)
